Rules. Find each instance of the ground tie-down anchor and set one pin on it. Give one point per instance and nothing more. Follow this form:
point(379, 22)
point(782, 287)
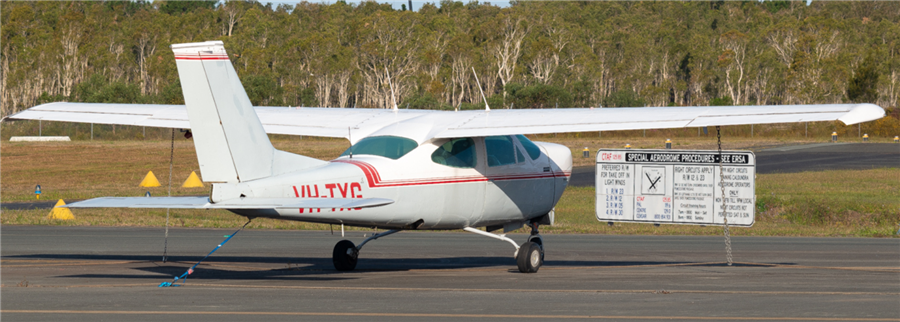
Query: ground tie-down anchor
point(728, 257)
point(190, 271)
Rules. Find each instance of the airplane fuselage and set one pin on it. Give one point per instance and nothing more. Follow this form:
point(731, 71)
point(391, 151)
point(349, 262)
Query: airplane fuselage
point(430, 195)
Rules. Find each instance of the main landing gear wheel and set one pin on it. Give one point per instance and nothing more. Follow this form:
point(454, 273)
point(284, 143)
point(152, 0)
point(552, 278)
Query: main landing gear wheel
point(530, 257)
point(344, 256)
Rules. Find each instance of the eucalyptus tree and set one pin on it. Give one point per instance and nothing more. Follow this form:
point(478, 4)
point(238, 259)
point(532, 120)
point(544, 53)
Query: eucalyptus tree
point(388, 56)
point(340, 54)
point(510, 29)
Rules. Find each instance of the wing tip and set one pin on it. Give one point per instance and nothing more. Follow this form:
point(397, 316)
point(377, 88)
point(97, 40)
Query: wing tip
point(864, 112)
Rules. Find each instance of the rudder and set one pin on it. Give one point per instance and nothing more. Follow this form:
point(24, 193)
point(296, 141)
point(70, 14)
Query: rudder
point(224, 124)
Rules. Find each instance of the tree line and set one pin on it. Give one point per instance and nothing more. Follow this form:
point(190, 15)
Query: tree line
point(528, 55)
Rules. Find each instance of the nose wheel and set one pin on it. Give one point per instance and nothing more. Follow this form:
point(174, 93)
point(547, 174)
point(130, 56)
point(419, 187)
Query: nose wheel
point(530, 257)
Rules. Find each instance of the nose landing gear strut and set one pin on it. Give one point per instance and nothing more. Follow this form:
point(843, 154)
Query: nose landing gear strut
point(529, 256)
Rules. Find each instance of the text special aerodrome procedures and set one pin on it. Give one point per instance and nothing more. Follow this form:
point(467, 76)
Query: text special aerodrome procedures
point(671, 186)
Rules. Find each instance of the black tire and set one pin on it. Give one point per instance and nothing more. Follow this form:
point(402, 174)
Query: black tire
point(530, 257)
point(343, 261)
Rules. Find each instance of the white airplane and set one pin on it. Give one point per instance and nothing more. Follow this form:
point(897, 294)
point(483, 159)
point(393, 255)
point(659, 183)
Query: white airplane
point(405, 170)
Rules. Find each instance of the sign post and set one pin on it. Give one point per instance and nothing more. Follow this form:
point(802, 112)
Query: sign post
point(675, 187)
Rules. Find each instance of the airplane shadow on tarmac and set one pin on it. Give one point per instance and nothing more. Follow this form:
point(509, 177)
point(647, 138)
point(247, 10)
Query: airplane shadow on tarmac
point(300, 268)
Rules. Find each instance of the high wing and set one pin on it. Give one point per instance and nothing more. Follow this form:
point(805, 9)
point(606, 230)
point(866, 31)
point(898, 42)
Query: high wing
point(248, 203)
point(357, 123)
point(310, 121)
point(505, 122)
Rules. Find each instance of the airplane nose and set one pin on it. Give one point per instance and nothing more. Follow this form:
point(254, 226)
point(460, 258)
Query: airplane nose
point(560, 156)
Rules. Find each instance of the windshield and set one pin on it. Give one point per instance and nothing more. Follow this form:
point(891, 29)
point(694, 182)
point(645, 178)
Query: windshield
point(393, 147)
point(533, 150)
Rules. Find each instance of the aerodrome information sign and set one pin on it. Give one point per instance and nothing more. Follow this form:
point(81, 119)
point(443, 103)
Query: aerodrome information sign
point(675, 187)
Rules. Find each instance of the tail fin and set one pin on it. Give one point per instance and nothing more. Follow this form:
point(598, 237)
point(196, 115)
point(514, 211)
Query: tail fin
point(231, 144)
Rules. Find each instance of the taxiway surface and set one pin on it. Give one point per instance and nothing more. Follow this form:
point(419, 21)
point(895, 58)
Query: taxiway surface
point(112, 273)
point(799, 158)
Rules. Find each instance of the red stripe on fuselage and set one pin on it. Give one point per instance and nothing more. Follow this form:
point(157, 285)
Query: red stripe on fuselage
point(214, 57)
point(374, 178)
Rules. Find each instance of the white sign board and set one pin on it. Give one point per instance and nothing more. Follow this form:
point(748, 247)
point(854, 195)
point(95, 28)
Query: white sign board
point(675, 187)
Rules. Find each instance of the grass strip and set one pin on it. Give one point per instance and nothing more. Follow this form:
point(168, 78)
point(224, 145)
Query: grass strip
point(852, 203)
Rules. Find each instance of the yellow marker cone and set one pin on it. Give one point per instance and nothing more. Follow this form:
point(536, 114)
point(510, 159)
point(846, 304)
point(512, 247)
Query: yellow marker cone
point(149, 180)
point(60, 213)
point(193, 181)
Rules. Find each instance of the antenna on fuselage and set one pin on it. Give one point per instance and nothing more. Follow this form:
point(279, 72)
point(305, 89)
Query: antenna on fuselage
point(350, 138)
point(391, 84)
point(486, 107)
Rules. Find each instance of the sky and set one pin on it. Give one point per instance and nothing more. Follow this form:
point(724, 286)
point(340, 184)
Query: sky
point(394, 3)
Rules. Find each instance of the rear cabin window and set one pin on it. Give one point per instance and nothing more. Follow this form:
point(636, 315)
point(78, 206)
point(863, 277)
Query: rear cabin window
point(392, 147)
point(457, 153)
point(500, 150)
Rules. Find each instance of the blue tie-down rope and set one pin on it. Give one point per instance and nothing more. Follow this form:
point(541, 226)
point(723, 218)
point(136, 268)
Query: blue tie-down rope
point(190, 271)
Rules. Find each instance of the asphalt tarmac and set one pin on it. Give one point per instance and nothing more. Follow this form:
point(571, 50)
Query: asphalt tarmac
point(800, 158)
point(112, 273)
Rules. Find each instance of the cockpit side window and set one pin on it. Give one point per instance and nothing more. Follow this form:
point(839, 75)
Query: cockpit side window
point(519, 157)
point(500, 150)
point(393, 147)
point(532, 149)
point(457, 153)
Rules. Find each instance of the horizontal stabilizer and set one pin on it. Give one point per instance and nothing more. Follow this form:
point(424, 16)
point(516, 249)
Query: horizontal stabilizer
point(142, 202)
point(292, 203)
point(245, 203)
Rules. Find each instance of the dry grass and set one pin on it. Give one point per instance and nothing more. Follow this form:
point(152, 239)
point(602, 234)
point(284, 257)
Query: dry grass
point(89, 169)
point(832, 203)
point(849, 198)
point(858, 203)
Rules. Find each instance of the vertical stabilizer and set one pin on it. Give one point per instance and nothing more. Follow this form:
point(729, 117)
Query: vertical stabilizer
point(231, 144)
